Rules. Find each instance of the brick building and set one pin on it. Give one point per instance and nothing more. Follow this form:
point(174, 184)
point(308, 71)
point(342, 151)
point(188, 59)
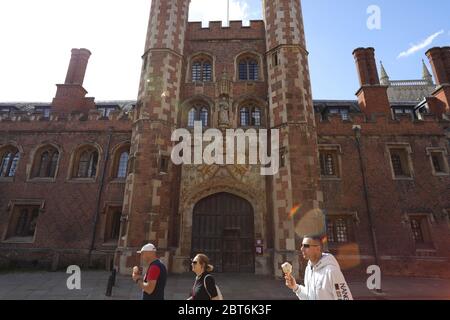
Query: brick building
point(85, 182)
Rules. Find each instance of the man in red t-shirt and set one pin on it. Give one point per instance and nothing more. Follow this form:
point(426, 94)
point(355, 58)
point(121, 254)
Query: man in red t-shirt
point(155, 278)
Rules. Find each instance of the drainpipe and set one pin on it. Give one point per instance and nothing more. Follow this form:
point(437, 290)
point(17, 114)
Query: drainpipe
point(99, 195)
point(357, 130)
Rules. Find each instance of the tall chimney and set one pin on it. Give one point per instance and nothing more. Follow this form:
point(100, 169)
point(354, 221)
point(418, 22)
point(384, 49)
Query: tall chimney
point(372, 96)
point(440, 63)
point(71, 96)
point(77, 66)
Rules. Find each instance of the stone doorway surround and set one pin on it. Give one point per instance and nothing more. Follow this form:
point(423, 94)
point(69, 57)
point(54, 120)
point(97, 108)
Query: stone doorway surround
point(199, 182)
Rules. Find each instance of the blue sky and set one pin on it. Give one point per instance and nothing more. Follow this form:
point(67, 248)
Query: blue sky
point(335, 28)
point(36, 38)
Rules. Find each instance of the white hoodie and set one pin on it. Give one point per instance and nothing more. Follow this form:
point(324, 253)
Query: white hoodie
point(324, 281)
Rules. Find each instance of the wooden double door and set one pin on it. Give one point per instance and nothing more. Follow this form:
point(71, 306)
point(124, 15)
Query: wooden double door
point(223, 229)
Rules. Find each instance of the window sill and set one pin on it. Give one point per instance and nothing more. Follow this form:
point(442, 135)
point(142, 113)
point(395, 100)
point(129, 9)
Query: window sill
point(81, 180)
point(251, 127)
point(201, 83)
point(42, 180)
point(405, 178)
point(6, 179)
point(441, 174)
point(109, 243)
point(424, 253)
point(331, 178)
point(24, 240)
point(191, 129)
point(249, 82)
point(425, 248)
point(118, 181)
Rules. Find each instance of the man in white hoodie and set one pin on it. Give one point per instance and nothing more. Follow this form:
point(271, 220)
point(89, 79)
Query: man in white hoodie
point(323, 277)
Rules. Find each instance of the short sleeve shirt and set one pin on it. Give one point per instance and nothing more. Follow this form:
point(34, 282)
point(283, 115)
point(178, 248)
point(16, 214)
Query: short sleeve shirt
point(152, 273)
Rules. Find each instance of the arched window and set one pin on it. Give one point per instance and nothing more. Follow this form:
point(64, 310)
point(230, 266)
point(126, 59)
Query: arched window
point(46, 162)
point(9, 162)
point(123, 165)
point(121, 159)
point(245, 117)
point(201, 70)
point(192, 116)
point(198, 112)
point(251, 116)
point(256, 117)
point(87, 164)
point(204, 116)
point(248, 69)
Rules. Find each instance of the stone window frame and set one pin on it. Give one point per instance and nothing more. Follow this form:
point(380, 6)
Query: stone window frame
point(106, 110)
point(198, 105)
point(283, 153)
point(164, 159)
point(406, 160)
point(45, 111)
point(116, 155)
point(201, 55)
point(74, 163)
point(12, 205)
point(399, 111)
point(425, 225)
point(35, 161)
point(443, 153)
point(8, 147)
point(249, 55)
point(110, 208)
point(342, 111)
point(275, 58)
point(251, 106)
point(352, 219)
point(336, 150)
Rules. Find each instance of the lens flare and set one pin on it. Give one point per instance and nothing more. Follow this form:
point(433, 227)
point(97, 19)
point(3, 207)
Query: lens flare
point(349, 256)
point(311, 224)
point(294, 211)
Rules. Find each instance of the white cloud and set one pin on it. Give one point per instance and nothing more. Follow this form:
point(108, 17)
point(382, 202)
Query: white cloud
point(207, 10)
point(417, 47)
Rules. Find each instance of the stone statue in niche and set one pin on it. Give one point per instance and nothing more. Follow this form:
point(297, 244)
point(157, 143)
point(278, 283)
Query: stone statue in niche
point(224, 117)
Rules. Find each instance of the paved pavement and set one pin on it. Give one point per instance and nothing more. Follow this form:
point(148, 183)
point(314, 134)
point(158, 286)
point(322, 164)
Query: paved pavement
point(52, 286)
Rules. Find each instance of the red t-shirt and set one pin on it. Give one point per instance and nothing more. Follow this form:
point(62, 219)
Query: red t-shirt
point(152, 273)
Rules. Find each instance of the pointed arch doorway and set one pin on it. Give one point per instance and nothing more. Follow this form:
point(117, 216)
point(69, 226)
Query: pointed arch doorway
point(223, 229)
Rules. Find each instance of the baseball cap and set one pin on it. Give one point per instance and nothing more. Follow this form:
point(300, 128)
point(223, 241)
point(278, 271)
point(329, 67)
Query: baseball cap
point(148, 247)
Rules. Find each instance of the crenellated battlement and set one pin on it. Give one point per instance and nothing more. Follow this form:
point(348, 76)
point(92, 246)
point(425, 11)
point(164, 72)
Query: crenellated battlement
point(382, 124)
point(93, 120)
point(216, 30)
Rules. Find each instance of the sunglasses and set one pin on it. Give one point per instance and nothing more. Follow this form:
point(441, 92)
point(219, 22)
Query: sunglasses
point(307, 246)
point(194, 262)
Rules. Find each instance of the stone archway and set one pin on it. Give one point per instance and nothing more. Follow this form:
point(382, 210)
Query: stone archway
point(223, 229)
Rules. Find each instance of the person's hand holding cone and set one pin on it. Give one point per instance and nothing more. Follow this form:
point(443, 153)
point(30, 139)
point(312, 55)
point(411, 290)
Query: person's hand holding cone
point(290, 280)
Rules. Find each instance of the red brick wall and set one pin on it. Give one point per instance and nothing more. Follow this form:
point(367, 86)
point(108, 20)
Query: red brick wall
point(66, 224)
point(391, 199)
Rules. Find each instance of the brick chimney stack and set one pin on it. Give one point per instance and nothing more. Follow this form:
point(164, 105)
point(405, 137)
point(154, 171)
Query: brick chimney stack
point(77, 66)
point(372, 96)
point(440, 62)
point(71, 96)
